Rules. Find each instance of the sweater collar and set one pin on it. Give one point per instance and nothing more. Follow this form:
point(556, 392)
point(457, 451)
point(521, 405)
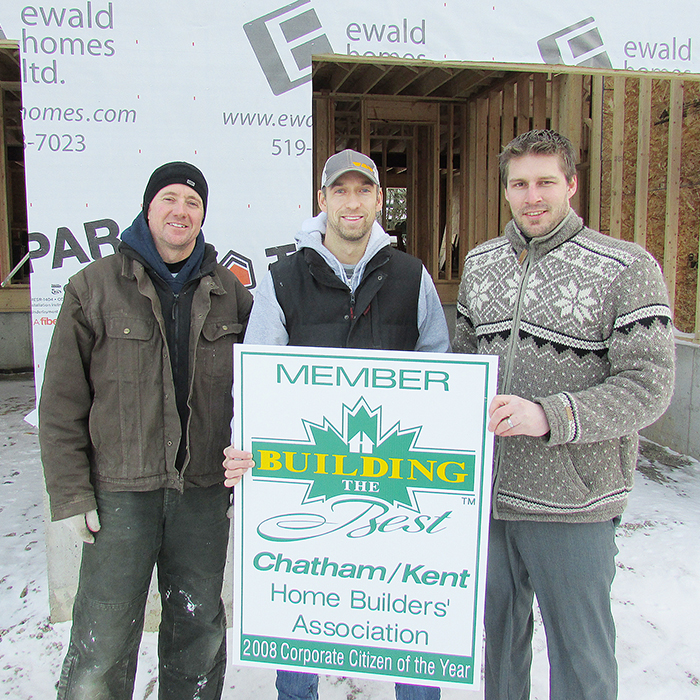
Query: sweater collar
point(571, 224)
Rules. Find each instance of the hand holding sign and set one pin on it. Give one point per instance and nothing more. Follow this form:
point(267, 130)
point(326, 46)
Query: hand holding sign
point(236, 464)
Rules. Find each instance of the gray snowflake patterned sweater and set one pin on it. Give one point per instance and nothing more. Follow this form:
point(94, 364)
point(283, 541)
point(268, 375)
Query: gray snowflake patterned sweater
point(582, 326)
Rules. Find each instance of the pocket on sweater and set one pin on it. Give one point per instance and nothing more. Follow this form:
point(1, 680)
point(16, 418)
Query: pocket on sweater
point(575, 474)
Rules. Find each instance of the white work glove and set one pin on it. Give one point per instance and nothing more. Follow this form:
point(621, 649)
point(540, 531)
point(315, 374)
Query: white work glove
point(229, 510)
point(85, 524)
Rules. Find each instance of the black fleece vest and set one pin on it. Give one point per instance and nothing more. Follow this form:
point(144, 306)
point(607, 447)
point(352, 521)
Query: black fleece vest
point(320, 310)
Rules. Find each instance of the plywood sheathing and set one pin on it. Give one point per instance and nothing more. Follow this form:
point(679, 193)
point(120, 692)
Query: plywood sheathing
point(683, 280)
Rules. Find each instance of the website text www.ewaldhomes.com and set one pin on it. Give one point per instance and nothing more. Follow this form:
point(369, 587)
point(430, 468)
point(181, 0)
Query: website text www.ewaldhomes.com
point(39, 122)
point(76, 115)
point(266, 119)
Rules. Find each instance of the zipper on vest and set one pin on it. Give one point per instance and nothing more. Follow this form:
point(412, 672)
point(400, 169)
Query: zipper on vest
point(352, 305)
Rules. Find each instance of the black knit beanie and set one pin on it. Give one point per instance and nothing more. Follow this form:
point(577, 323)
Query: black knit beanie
point(171, 173)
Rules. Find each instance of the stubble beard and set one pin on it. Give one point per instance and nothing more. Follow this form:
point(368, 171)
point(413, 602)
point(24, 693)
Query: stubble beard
point(351, 235)
point(532, 229)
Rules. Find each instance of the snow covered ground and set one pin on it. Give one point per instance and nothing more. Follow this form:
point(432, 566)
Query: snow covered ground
point(656, 595)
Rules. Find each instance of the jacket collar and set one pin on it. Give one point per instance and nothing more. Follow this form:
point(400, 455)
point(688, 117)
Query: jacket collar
point(130, 256)
point(139, 239)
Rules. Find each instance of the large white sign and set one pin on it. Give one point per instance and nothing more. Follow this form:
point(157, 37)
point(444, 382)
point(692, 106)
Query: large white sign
point(114, 88)
point(361, 533)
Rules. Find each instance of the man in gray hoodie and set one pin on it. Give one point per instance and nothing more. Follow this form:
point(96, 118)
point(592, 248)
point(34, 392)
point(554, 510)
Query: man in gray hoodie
point(356, 290)
point(345, 286)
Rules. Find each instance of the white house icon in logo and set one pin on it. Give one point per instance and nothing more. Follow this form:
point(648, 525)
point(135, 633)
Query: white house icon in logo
point(361, 443)
point(284, 42)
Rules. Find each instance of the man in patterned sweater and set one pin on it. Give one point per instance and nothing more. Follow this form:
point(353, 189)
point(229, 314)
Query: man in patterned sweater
point(582, 327)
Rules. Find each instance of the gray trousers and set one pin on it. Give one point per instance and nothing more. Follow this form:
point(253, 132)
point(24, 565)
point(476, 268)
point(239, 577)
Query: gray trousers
point(570, 567)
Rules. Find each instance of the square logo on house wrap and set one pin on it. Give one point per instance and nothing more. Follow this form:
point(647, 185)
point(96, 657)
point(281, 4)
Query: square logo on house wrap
point(579, 44)
point(284, 42)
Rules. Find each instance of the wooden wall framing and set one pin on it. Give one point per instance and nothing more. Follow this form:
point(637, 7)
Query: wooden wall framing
point(637, 137)
point(13, 211)
point(520, 103)
point(649, 188)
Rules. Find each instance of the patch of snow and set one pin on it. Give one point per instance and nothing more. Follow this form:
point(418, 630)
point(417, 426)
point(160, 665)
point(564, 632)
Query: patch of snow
point(655, 594)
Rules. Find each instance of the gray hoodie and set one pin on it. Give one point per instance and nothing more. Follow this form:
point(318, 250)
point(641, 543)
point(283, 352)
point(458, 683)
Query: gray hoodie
point(267, 324)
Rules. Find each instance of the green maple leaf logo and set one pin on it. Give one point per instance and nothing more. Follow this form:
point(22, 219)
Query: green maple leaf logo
point(362, 460)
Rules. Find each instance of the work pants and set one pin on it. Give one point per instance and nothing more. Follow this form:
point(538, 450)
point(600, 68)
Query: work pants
point(186, 536)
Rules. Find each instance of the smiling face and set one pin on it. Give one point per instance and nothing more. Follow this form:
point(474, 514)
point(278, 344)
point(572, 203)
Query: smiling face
point(351, 203)
point(538, 193)
point(175, 218)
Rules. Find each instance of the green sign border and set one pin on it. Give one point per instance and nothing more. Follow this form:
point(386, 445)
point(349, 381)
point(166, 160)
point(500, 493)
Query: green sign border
point(484, 500)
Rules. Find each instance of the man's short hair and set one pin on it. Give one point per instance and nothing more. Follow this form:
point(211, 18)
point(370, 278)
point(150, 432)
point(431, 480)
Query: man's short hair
point(544, 142)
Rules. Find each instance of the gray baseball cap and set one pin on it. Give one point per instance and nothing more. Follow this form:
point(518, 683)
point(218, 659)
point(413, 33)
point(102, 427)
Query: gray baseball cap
point(348, 161)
